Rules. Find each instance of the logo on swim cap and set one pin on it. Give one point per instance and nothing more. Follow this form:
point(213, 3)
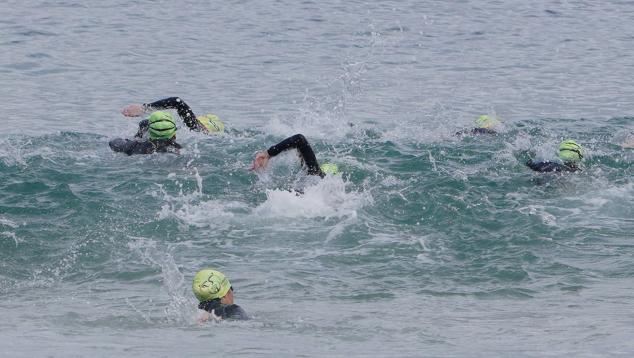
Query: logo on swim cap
point(162, 125)
point(329, 168)
point(210, 284)
point(485, 121)
point(212, 123)
point(570, 151)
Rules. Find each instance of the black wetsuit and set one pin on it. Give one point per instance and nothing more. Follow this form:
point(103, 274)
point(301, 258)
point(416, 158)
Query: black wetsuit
point(299, 142)
point(477, 131)
point(183, 110)
point(545, 167)
point(223, 311)
point(142, 145)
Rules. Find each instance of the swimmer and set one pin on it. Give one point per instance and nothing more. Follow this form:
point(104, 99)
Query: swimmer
point(157, 133)
point(305, 152)
point(571, 155)
point(208, 123)
point(215, 296)
point(483, 125)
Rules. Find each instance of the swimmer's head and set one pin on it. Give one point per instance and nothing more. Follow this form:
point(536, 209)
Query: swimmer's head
point(210, 284)
point(570, 151)
point(212, 123)
point(487, 122)
point(329, 168)
point(162, 125)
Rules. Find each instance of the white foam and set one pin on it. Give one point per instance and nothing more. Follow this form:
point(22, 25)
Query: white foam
point(327, 198)
point(7, 222)
point(14, 151)
point(540, 211)
point(181, 306)
point(201, 213)
point(192, 208)
point(312, 125)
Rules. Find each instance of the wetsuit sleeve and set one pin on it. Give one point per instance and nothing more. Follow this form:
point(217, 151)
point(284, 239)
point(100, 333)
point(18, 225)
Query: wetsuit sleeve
point(476, 131)
point(183, 110)
point(232, 311)
point(299, 142)
point(483, 131)
point(144, 125)
point(546, 167)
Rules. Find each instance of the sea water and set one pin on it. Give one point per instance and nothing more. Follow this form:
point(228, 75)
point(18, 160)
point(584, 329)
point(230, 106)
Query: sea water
point(427, 244)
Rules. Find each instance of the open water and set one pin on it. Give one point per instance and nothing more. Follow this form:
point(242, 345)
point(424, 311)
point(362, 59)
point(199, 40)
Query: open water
point(429, 244)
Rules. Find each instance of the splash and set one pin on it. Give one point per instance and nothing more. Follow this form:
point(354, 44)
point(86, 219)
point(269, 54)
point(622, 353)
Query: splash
point(10, 225)
point(195, 208)
point(180, 307)
point(328, 198)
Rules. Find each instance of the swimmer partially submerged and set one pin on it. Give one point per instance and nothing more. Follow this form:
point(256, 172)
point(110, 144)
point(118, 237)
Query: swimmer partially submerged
point(215, 296)
point(305, 152)
point(570, 153)
point(484, 124)
point(157, 133)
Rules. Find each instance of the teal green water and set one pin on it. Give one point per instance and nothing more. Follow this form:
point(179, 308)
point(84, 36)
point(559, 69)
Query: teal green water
point(428, 232)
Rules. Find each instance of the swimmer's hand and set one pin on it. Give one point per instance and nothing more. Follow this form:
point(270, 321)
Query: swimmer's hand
point(133, 110)
point(206, 316)
point(628, 142)
point(260, 161)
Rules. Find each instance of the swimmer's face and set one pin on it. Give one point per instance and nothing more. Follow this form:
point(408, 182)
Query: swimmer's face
point(228, 298)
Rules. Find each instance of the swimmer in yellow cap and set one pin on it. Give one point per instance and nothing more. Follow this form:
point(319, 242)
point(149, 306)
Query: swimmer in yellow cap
point(306, 155)
point(208, 123)
point(215, 296)
point(570, 153)
point(484, 124)
point(156, 134)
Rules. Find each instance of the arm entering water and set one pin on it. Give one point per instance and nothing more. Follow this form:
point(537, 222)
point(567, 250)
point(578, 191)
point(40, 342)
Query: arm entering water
point(299, 142)
point(183, 110)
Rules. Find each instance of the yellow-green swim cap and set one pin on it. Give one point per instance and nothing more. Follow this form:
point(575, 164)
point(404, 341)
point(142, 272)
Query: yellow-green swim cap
point(570, 151)
point(329, 168)
point(212, 123)
point(485, 121)
point(210, 284)
point(162, 125)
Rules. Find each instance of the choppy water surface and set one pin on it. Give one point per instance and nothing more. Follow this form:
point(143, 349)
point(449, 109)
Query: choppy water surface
point(430, 244)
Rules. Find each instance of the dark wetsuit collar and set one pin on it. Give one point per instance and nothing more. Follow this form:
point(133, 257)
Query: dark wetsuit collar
point(209, 305)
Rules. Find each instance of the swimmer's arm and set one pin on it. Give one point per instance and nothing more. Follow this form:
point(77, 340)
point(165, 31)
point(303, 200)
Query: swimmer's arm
point(183, 110)
point(299, 142)
point(628, 142)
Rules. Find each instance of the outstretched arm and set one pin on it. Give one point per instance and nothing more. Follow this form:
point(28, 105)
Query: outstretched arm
point(183, 110)
point(299, 142)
